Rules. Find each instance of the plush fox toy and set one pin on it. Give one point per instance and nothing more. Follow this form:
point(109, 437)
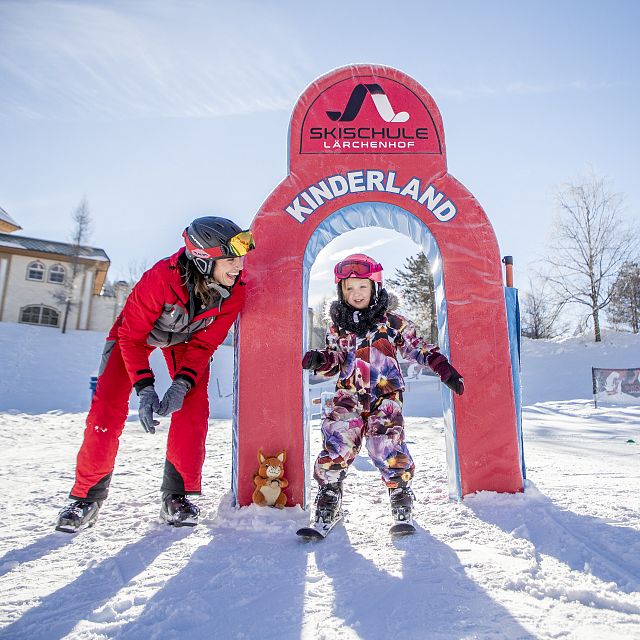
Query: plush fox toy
point(269, 481)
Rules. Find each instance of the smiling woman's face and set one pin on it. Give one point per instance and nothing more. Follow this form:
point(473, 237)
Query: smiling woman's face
point(225, 270)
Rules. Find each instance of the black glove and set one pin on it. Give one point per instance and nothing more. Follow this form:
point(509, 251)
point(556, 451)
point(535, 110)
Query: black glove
point(174, 397)
point(313, 360)
point(449, 376)
point(149, 402)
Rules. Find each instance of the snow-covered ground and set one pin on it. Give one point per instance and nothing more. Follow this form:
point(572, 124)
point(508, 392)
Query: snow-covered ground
point(561, 560)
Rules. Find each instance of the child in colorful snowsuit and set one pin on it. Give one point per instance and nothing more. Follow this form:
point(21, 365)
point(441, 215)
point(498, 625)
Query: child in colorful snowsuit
point(361, 347)
point(185, 305)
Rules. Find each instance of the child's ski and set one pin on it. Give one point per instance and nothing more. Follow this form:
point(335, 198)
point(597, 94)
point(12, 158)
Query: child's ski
point(402, 529)
point(318, 530)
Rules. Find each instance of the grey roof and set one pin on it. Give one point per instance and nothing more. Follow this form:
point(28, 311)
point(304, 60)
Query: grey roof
point(7, 218)
point(48, 246)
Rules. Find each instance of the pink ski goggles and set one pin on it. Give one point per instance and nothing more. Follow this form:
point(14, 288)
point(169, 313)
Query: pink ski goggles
point(351, 268)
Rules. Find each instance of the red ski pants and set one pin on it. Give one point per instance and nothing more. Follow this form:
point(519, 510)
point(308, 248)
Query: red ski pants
point(108, 414)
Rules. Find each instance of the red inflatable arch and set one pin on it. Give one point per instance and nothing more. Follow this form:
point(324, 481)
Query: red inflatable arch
point(366, 148)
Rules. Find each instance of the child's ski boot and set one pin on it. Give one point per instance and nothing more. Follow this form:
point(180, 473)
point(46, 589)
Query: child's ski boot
point(77, 516)
point(328, 512)
point(401, 503)
point(179, 511)
point(328, 502)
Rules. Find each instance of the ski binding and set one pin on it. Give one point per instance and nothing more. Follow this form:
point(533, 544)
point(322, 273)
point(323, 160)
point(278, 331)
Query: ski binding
point(318, 530)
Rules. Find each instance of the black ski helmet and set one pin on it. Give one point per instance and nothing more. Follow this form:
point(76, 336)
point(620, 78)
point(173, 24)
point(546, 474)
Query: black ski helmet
point(208, 239)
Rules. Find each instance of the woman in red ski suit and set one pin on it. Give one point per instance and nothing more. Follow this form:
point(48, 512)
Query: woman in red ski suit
point(185, 305)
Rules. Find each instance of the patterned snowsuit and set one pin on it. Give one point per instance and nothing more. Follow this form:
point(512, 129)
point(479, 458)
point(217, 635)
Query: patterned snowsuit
point(158, 313)
point(368, 399)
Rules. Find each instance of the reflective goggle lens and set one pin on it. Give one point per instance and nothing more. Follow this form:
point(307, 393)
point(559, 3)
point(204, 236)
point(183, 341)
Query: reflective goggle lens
point(357, 267)
point(237, 246)
point(242, 243)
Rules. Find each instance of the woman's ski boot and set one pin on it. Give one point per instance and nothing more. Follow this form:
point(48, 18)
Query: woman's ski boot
point(77, 516)
point(179, 511)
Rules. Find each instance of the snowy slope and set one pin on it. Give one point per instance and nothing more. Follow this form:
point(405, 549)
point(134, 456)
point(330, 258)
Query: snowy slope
point(49, 371)
point(46, 370)
point(561, 560)
point(559, 369)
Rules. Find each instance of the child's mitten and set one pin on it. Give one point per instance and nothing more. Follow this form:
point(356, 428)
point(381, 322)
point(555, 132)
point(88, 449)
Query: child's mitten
point(449, 376)
point(313, 360)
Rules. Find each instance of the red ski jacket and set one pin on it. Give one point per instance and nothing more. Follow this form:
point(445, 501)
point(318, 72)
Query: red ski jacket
point(156, 314)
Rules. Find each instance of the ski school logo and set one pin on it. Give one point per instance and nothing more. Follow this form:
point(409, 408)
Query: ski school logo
point(368, 114)
point(380, 100)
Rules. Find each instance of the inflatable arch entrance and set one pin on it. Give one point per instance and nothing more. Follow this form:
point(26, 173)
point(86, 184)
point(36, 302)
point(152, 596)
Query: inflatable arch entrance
point(366, 148)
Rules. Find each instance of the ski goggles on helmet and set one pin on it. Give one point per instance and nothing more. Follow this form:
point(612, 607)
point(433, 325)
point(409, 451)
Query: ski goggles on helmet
point(235, 247)
point(242, 243)
point(351, 268)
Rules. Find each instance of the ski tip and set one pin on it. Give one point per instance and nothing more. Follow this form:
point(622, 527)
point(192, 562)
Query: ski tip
point(308, 533)
point(402, 529)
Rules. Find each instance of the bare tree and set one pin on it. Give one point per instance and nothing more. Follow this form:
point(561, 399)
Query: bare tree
point(80, 234)
point(625, 297)
point(582, 324)
point(540, 312)
point(590, 245)
point(415, 282)
point(136, 269)
point(121, 287)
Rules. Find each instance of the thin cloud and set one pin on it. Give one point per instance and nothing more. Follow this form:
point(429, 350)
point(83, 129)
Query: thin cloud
point(116, 61)
point(523, 88)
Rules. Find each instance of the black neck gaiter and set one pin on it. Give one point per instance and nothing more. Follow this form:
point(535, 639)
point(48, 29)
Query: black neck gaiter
point(357, 321)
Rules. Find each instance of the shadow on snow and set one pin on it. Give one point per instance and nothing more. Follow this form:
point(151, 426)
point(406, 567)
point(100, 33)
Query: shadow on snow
point(432, 598)
point(58, 613)
point(611, 552)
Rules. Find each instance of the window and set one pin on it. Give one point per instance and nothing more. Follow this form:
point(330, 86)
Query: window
point(35, 271)
point(39, 314)
point(56, 274)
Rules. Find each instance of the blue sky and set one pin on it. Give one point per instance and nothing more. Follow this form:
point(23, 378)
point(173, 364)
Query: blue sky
point(159, 111)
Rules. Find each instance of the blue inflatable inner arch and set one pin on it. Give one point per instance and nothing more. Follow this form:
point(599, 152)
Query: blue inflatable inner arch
point(386, 216)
